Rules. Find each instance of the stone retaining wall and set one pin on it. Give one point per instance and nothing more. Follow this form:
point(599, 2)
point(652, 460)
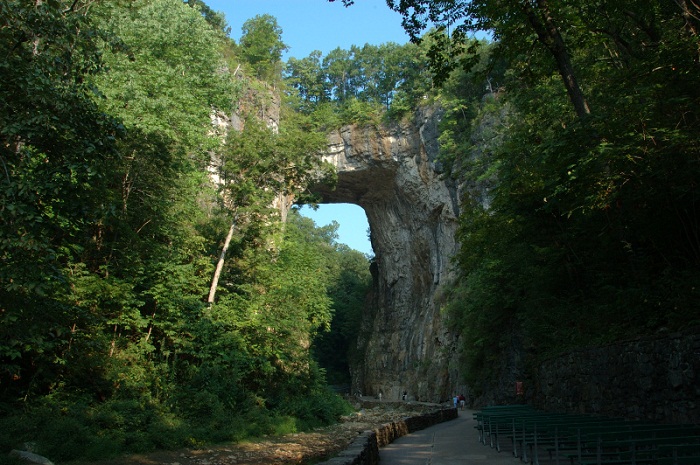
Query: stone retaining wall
point(364, 450)
point(653, 378)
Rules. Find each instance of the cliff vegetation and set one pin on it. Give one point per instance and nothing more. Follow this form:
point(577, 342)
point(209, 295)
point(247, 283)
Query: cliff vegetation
point(112, 228)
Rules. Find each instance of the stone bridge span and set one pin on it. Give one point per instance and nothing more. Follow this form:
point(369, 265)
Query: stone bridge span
point(392, 173)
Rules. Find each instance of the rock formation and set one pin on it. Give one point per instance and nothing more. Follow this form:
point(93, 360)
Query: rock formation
point(393, 174)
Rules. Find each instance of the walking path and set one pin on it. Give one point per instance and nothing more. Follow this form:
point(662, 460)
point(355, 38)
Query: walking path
point(454, 442)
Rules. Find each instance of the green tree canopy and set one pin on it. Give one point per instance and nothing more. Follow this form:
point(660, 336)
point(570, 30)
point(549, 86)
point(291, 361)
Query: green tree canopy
point(261, 46)
point(362, 83)
point(570, 227)
point(110, 225)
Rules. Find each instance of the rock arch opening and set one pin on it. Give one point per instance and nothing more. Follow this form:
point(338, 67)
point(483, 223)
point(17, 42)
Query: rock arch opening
point(393, 174)
point(352, 219)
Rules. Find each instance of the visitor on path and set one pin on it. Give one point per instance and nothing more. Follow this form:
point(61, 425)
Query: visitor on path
point(462, 401)
point(455, 399)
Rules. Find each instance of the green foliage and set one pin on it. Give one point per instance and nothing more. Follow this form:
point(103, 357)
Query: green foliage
point(326, 117)
point(57, 150)
point(350, 283)
point(307, 77)
point(261, 46)
point(109, 229)
point(280, 303)
point(215, 19)
point(258, 165)
point(362, 85)
point(164, 81)
point(320, 407)
point(362, 113)
point(60, 427)
point(575, 230)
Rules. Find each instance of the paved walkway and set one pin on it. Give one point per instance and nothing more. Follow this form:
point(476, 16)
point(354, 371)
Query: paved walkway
point(453, 442)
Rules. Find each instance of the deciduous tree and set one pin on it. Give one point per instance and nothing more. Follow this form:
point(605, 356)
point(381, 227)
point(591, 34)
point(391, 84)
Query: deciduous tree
point(261, 46)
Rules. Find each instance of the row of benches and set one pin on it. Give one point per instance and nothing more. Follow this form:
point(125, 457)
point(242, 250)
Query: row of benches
point(586, 439)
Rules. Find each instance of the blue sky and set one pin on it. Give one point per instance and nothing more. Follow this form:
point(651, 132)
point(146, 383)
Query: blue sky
point(352, 221)
point(309, 25)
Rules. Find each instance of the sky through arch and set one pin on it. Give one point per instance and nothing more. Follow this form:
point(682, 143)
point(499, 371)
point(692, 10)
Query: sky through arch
point(352, 219)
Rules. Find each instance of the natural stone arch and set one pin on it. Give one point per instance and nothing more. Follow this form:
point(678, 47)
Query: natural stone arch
point(392, 173)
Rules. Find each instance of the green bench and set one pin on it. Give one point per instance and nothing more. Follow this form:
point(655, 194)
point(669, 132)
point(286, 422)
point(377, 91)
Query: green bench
point(632, 446)
point(494, 420)
point(679, 454)
point(587, 439)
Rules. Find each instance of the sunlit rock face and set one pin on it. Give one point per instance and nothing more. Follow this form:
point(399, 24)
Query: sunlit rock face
point(392, 173)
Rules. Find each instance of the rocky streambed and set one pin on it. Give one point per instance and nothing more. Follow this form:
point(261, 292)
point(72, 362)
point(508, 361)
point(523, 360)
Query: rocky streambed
point(296, 448)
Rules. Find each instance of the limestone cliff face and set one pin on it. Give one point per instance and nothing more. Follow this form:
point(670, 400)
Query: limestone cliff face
point(264, 104)
point(404, 345)
point(391, 172)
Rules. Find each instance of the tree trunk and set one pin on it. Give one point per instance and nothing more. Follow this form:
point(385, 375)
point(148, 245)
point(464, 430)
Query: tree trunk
point(691, 14)
point(548, 34)
point(220, 264)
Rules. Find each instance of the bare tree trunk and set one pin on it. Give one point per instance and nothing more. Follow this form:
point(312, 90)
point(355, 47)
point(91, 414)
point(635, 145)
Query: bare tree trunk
point(36, 42)
point(220, 264)
point(549, 35)
point(150, 326)
point(691, 14)
point(113, 345)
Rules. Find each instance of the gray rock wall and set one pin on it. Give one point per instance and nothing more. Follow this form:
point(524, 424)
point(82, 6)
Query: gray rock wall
point(655, 379)
point(412, 211)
